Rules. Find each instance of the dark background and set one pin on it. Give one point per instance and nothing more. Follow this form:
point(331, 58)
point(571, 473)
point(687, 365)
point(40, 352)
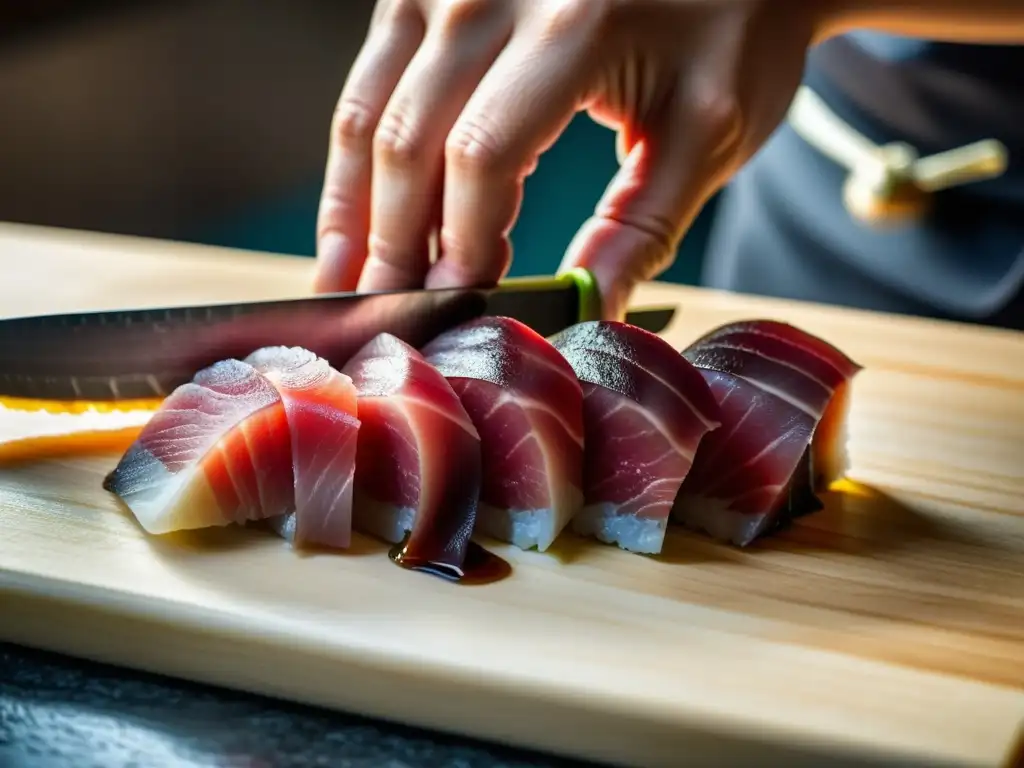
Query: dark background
point(207, 121)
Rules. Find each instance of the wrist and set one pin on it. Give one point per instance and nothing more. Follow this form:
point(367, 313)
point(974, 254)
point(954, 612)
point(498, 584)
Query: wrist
point(973, 21)
point(829, 18)
point(836, 17)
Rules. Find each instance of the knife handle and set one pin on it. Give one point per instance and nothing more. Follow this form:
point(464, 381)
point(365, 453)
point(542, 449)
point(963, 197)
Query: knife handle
point(580, 278)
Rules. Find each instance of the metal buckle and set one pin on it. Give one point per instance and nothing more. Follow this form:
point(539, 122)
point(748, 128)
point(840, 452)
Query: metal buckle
point(889, 184)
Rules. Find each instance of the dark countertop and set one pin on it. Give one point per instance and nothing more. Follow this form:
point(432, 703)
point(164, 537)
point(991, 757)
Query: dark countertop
point(56, 712)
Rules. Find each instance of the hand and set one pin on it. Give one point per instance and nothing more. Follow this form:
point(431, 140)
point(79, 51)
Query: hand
point(450, 103)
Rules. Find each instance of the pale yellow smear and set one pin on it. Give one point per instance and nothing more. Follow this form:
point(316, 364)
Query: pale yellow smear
point(32, 430)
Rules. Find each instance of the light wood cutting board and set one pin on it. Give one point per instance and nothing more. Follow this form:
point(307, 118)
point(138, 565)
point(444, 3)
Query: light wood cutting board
point(890, 625)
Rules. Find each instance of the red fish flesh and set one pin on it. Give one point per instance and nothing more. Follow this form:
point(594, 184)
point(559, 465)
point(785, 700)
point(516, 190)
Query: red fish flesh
point(418, 457)
point(783, 396)
point(320, 404)
point(527, 405)
point(216, 452)
point(645, 409)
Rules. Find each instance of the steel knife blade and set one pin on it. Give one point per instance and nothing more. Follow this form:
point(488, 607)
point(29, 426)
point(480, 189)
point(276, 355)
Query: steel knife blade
point(146, 352)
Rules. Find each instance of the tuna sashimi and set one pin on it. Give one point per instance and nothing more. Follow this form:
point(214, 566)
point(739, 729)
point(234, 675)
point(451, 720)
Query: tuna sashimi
point(216, 452)
point(645, 410)
point(320, 404)
point(527, 405)
point(418, 457)
point(783, 395)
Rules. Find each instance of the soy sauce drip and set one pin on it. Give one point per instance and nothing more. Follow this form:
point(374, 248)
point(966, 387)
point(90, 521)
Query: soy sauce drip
point(479, 567)
point(483, 566)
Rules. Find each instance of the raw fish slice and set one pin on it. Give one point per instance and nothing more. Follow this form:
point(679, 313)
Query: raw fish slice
point(527, 405)
point(418, 457)
point(645, 410)
point(824, 366)
point(320, 404)
point(783, 395)
point(216, 452)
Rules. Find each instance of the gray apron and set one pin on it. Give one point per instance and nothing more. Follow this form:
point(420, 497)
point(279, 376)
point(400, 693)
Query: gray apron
point(781, 228)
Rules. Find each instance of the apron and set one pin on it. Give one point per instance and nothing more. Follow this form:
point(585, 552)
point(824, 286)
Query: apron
point(781, 227)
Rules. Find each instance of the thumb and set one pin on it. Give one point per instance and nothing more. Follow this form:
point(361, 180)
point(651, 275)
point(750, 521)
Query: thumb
point(665, 179)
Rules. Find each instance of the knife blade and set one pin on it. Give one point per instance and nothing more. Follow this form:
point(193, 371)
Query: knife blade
point(145, 353)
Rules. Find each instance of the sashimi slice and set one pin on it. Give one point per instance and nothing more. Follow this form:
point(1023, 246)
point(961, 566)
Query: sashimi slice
point(418, 457)
point(527, 405)
point(216, 452)
point(320, 404)
point(645, 410)
point(784, 399)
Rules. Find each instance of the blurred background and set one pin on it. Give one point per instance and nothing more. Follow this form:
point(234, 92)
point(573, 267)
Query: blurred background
point(207, 121)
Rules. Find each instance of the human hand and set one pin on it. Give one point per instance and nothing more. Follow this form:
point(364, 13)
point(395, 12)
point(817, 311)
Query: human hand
point(450, 103)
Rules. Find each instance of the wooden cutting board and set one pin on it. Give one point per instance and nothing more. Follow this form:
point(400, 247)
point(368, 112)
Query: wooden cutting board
point(890, 625)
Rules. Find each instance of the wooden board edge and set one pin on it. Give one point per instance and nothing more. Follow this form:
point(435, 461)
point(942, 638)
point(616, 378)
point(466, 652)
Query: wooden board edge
point(1015, 755)
point(75, 237)
point(123, 632)
point(765, 306)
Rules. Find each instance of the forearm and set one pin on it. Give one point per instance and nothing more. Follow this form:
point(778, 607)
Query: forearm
point(968, 21)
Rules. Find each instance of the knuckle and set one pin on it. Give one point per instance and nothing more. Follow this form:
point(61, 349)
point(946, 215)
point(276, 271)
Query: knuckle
point(340, 208)
point(661, 232)
point(719, 112)
point(384, 252)
point(455, 16)
point(454, 249)
point(393, 11)
point(396, 258)
point(336, 206)
point(457, 249)
point(563, 16)
point(475, 148)
point(723, 115)
point(398, 142)
point(354, 122)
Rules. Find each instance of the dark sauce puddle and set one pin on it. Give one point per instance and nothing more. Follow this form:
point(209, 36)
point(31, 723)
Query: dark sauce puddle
point(479, 567)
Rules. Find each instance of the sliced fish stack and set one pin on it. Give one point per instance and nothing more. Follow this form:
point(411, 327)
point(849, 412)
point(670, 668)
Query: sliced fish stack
point(491, 429)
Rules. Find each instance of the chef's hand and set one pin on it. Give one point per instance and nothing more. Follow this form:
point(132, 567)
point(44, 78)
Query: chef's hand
point(450, 102)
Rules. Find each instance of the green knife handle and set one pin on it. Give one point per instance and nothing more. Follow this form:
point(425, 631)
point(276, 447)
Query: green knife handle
point(579, 277)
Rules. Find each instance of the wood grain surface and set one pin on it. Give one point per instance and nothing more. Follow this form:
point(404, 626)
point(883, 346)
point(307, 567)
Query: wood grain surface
point(890, 625)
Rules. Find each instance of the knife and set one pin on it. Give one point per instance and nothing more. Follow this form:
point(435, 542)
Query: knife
point(133, 354)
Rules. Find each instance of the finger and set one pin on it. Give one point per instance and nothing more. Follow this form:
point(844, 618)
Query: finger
point(676, 163)
point(624, 140)
point(521, 106)
point(629, 92)
point(463, 40)
point(343, 220)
